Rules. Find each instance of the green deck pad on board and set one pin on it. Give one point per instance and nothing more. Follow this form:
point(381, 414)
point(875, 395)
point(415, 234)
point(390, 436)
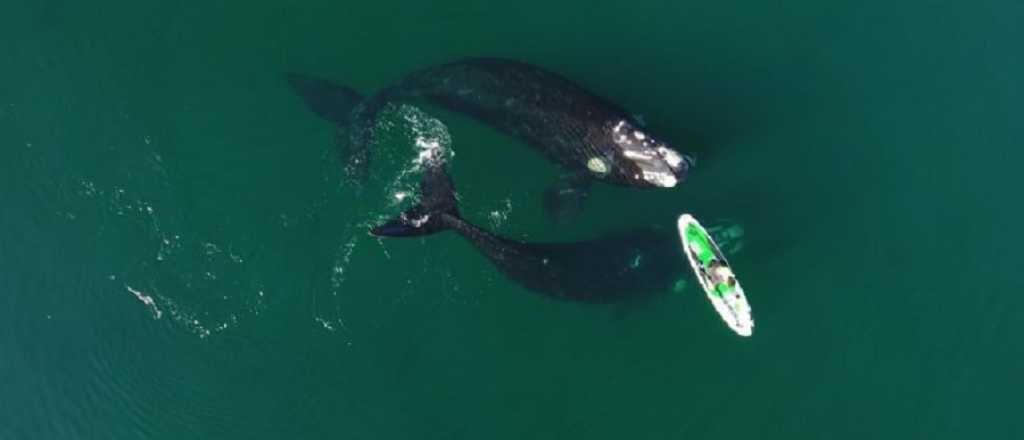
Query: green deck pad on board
point(705, 252)
point(723, 288)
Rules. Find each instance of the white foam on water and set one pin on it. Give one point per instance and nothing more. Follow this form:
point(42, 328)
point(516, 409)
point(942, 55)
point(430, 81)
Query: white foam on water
point(147, 300)
point(402, 128)
point(342, 259)
point(430, 150)
point(207, 286)
point(498, 217)
point(406, 141)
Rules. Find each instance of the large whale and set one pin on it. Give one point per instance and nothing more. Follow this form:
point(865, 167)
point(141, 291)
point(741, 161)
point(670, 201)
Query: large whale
point(613, 268)
point(590, 137)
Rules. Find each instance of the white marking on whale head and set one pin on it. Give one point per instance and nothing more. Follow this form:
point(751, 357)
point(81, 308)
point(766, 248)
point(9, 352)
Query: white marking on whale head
point(597, 165)
point(661, 178)
point(658, 164)
point(673, 158)
point(639, 154)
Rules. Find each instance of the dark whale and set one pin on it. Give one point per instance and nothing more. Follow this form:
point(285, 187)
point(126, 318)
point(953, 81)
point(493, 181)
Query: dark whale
point(590, 137)
point(614, 268)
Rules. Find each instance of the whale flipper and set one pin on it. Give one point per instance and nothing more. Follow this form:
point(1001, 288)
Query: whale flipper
point(564, 199)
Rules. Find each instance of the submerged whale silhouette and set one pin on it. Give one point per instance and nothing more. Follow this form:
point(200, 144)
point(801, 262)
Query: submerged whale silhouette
point(614, 268)
point(587, 135)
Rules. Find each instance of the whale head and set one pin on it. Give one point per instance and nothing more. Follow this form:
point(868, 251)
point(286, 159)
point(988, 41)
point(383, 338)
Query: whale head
point(639, 159)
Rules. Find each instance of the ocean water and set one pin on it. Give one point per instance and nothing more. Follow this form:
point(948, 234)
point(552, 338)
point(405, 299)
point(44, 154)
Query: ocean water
point(180, 256)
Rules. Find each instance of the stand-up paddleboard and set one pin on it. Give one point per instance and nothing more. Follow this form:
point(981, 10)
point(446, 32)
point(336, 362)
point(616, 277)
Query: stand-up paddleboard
point(715, 276)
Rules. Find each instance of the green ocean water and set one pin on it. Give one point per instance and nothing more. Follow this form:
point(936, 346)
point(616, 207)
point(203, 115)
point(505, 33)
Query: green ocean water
point(153, 152)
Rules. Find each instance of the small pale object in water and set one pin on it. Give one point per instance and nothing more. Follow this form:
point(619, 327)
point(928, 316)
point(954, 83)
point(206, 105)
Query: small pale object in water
point(597, 165)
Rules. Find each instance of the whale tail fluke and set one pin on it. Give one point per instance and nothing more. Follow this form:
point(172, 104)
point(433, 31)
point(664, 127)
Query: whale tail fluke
point(436, 212)
point(350, 112)
point(333, 102)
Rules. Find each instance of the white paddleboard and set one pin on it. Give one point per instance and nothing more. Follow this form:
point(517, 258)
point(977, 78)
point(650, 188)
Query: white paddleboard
point(715, 276)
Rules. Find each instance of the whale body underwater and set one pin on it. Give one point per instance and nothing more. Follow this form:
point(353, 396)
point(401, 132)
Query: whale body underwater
point(590, 137)
point(619, 267)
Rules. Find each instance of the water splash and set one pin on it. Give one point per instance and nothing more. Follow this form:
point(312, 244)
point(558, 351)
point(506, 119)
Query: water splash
point(147, 300)
point(208, 286)
point(498, 217)
point(406, 139)
point(426, 136)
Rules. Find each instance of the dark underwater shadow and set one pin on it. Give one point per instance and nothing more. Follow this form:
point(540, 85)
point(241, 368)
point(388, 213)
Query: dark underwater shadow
point(711, 115)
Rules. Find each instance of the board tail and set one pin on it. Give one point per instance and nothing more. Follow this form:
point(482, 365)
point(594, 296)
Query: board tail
point(436, 212)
